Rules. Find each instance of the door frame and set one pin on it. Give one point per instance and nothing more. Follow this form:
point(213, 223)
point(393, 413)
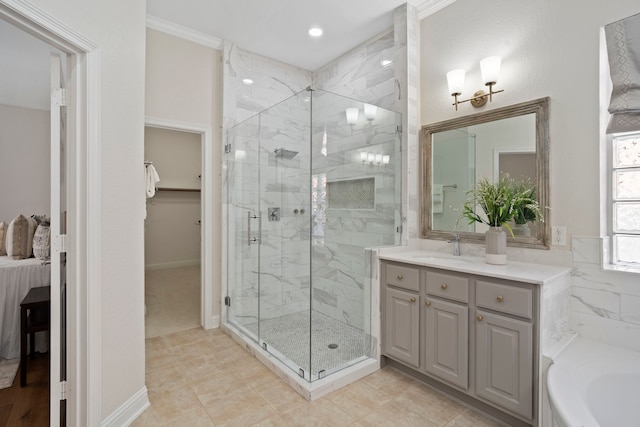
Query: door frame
point(207, 318)
point(84, 393)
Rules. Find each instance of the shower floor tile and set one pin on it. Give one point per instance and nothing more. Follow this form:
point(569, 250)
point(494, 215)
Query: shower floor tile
point(333, 343)
point(231, 388)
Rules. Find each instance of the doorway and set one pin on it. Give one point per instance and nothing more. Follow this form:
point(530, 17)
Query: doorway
point(33, 137)
point(175, 291)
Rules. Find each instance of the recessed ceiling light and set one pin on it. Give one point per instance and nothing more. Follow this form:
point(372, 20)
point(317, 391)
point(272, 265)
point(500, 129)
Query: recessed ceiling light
point(247, 81)
point(315, 31)
point(386, 62)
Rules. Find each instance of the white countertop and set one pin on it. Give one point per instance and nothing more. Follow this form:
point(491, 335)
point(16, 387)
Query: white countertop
point(512, 270)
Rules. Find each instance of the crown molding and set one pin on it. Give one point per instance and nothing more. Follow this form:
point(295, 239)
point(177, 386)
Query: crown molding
point(430, 7)
point(184, 32)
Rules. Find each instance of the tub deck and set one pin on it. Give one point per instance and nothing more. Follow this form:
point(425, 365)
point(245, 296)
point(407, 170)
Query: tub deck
point(592, 384)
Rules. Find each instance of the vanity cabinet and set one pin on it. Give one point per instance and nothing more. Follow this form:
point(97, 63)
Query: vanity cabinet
point(473, 333)
point(446, 326)
point(446, 337)
point(504, 345)
point(402, 314)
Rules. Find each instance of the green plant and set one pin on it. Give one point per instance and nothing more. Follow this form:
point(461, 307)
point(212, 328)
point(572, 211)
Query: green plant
point(501, 202)
point(525, 205)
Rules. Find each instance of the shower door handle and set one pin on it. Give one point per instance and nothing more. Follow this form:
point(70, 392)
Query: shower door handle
point(249, 238)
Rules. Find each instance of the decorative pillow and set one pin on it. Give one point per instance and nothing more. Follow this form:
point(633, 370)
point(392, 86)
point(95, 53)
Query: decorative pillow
point(19, 238)
point(41, 242)
point(3, 234)
point(41, 219)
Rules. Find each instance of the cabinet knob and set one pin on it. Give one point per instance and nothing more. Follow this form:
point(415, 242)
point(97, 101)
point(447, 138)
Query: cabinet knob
point(399, 276)
point(427, 303)
point(479, 317)
point(500, 298)
point(412, 300)
point(443, 286)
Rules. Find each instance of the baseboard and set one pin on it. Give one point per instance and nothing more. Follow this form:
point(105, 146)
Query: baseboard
point(213, 322)
point(173, 264)
point(129, 410)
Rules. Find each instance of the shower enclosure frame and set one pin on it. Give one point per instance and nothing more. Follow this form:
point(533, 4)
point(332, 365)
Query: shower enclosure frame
point(359, 158)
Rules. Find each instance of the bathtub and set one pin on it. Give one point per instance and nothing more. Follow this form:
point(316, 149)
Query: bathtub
point(594, 385)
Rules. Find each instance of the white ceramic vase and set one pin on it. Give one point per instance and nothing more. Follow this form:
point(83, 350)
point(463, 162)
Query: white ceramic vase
point(496, 246)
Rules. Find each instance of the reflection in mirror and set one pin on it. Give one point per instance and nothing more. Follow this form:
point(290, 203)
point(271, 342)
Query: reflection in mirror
point(458, 153)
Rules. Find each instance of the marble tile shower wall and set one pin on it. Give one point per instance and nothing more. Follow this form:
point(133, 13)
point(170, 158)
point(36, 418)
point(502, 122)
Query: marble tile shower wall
point(340, 283)
point(359, 74)
point(605, 305)
point(273, 82)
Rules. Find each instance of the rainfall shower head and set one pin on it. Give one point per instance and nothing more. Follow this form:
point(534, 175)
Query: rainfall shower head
point(281, 153)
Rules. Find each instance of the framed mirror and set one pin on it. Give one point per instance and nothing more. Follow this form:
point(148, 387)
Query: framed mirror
point(456, 153)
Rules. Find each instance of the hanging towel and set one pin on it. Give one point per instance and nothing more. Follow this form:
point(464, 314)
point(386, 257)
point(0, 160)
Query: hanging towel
point(151, 179)
point(437, 195)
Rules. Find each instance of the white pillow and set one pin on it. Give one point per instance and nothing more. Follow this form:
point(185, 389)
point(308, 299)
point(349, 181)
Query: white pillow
point(19, 238)
point(3, 233)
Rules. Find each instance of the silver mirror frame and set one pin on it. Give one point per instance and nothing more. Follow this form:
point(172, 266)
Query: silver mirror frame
point(539, 107)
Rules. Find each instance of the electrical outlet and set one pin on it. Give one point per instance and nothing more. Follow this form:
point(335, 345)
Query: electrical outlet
point(559, 235)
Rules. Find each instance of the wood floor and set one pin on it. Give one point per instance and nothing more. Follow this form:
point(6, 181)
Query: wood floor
point(29, 405)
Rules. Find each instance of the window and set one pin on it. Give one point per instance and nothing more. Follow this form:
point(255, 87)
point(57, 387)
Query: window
point(625, 178)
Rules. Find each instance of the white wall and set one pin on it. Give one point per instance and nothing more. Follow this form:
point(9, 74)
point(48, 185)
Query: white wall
point(184, 84)
point(24, 162)
point(117, 28)
point(547, 49)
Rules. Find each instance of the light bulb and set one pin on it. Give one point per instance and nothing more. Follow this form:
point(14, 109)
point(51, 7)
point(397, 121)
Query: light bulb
point(455, 79)
point(370, 111)
point(490, 69)
point(385, 159)
point(352, 116)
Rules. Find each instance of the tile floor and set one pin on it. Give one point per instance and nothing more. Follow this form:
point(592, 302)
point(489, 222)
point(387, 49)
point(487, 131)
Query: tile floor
point(203, 378)
point(172, 298)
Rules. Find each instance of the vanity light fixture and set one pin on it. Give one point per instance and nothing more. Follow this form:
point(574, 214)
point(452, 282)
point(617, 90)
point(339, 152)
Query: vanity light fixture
point(490, 70)
point(352, 116)
point(374, 158)
point(370, 112)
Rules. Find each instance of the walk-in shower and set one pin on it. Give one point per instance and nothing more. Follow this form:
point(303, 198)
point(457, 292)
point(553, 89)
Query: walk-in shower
point(307, 193)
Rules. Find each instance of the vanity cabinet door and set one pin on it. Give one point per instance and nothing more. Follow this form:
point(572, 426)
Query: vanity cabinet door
point(401, 326)
point(446, 329)
point(504, 362)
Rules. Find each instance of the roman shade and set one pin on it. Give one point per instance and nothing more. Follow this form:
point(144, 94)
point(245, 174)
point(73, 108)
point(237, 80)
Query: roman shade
point(623, 50)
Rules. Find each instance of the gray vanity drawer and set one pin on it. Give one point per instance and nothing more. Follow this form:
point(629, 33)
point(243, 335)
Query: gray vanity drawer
point(403, 276)
point(448, 286)
point(505, 298)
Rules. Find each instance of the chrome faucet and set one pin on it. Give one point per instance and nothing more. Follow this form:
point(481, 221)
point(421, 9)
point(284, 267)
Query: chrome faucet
point(456, 244)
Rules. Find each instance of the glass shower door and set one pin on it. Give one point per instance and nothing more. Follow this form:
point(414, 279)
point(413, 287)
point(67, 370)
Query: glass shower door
point(284, 307)
point(243, 220)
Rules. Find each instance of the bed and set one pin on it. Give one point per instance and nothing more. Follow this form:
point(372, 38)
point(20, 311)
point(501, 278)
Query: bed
point(16, 278)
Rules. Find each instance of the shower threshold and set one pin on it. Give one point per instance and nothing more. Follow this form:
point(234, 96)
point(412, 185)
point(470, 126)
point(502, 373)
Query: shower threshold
point(309, 390)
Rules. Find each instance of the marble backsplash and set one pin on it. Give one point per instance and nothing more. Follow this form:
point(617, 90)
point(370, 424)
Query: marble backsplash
point(605, 304)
